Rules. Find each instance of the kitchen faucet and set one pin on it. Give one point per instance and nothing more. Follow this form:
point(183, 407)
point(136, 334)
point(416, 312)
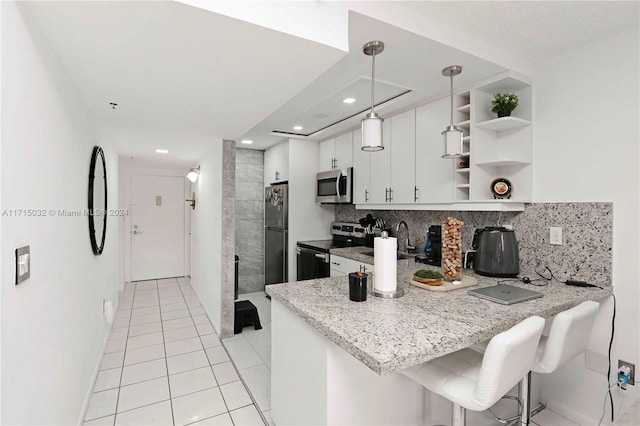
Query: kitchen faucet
point(408, 246)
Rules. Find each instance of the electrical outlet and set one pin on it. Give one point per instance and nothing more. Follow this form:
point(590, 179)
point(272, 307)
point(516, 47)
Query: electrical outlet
point(632, 368)
point(555, 235)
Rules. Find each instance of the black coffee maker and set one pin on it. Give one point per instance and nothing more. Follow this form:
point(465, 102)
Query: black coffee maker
point(433, 248)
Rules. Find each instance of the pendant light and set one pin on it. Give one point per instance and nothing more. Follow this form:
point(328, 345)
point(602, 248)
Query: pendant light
point(452, 134)
point(372, 123)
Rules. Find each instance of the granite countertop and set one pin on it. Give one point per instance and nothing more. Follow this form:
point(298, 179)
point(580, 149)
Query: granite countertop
point(389, 335)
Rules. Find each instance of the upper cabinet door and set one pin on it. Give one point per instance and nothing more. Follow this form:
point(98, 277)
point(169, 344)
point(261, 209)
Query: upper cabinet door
point(361, 165)
point(327, 155)
point(403, 139)
point(380, 171)
point(344, 151)
point(435, 181)
point(276, 163)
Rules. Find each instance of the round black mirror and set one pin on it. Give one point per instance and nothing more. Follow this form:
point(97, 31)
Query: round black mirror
point(97, 200)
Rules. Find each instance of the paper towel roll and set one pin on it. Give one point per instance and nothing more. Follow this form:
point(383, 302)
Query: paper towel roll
point(385, 264)
point(108, 311)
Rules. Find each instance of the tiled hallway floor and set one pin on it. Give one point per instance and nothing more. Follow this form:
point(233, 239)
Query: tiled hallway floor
point(164, 364)
point(250, 351)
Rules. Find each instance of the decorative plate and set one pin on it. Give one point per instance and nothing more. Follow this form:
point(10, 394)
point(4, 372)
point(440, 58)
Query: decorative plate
point(501, 188)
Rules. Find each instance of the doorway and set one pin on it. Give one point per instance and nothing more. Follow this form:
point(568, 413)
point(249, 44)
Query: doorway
point(157, 227)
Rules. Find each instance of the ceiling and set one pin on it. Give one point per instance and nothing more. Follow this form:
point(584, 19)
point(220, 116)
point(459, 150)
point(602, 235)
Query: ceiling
point(184, 78)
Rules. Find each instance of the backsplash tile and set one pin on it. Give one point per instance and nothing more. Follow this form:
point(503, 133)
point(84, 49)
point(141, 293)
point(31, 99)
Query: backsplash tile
point(587, 234)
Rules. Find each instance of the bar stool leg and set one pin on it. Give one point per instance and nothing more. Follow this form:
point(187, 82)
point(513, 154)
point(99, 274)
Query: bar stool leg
point(526, 400)
point(458, 415)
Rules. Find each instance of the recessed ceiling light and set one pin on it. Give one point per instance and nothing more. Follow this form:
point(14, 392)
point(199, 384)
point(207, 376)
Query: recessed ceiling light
point(348, 100)
point(297, 127)
point(246, 142)
point(162, 151)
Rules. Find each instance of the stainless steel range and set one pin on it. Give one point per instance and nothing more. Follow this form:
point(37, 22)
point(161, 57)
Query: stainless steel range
point(313, 257)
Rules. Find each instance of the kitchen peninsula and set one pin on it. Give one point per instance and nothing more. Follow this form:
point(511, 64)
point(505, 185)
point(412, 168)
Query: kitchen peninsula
point(334, 361)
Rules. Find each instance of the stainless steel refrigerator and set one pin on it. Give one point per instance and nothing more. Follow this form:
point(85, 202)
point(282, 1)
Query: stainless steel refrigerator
point(276, 234)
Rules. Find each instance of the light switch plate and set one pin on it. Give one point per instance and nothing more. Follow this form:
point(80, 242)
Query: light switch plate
point(23, 264)
point(555, 235)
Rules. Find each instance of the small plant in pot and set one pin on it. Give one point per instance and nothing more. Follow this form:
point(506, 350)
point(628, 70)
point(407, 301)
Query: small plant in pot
point(503, 104)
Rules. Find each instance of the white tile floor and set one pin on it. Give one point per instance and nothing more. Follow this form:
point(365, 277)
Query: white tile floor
point(250, 351)
point(164, 364)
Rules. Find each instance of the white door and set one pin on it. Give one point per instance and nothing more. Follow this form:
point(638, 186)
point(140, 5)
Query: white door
point(157, 221)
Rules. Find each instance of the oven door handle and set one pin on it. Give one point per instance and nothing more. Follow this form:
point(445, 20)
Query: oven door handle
point(323, 256)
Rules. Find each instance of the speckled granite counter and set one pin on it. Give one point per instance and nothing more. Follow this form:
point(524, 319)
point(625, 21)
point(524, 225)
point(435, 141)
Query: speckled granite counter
point(389, 335)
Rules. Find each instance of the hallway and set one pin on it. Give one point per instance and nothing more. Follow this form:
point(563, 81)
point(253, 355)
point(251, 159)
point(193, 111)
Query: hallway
point(163, 364)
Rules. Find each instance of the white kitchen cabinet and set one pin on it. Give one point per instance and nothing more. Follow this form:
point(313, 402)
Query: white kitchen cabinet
point(403, 145)
point(434, 174)
point(336, 153)
point(380, 169)
point(361, 166)
point(341, 266)
point(344, 151)
point(276, 163)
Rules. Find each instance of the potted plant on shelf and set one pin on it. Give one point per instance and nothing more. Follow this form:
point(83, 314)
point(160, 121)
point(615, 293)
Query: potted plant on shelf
point(503, 104)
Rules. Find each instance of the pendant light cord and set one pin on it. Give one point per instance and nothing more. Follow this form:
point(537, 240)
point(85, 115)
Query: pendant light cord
point(373, 77)
point(451, 78)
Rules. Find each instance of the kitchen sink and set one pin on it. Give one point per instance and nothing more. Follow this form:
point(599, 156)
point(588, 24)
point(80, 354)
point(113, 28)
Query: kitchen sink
point(401, 256)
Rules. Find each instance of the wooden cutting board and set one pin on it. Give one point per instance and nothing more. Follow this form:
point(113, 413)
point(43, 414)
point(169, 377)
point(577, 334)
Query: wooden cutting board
point(448, 286)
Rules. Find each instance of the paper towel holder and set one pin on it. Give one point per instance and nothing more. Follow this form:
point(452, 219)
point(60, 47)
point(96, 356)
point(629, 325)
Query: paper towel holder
point(398, 292)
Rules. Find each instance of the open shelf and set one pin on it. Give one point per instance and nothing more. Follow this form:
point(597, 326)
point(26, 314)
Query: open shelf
point(464, 108)
point(464, 123)
point(466, 138)
point(503, 123)
point(465, 170)
point(463, 185)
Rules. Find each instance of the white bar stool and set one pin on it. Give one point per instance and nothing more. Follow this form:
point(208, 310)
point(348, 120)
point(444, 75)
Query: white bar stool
point(475, 382)
point(568, 337)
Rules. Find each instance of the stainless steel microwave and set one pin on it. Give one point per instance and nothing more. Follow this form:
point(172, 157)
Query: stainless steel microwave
point(334, 186)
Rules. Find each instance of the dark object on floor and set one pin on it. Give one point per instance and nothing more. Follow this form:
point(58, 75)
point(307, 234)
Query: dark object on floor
point(245, 314)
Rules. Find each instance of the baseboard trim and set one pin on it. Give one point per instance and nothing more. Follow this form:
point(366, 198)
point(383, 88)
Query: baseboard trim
point(570, 413)
point(92, 383)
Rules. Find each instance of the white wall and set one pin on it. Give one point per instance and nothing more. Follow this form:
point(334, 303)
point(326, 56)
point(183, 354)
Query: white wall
point(206, 241)
point(586, 148)
point(126, 171)
point(307, 220)
point(53, 330)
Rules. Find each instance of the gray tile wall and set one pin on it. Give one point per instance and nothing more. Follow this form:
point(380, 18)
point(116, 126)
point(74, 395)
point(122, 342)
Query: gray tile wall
point(587, 234)
point(227, 306)
point(249, 226)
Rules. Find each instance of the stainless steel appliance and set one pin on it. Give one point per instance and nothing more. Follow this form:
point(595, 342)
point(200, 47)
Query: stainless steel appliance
point(496, 252)
point(313, 257)
point(276, 223)
point(334, 186)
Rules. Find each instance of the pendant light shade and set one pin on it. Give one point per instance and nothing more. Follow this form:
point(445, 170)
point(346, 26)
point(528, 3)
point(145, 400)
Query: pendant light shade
point(452, 135)
point(372, 123)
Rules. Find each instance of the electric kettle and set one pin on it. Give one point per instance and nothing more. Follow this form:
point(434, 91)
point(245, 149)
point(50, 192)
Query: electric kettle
point(497, 253)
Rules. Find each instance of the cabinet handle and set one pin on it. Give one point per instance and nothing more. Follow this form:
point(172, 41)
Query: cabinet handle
point(277, 176)
point(336, 263)
point(366, 196)
point(415, 193)
point(390, 195)
point(386, 195)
